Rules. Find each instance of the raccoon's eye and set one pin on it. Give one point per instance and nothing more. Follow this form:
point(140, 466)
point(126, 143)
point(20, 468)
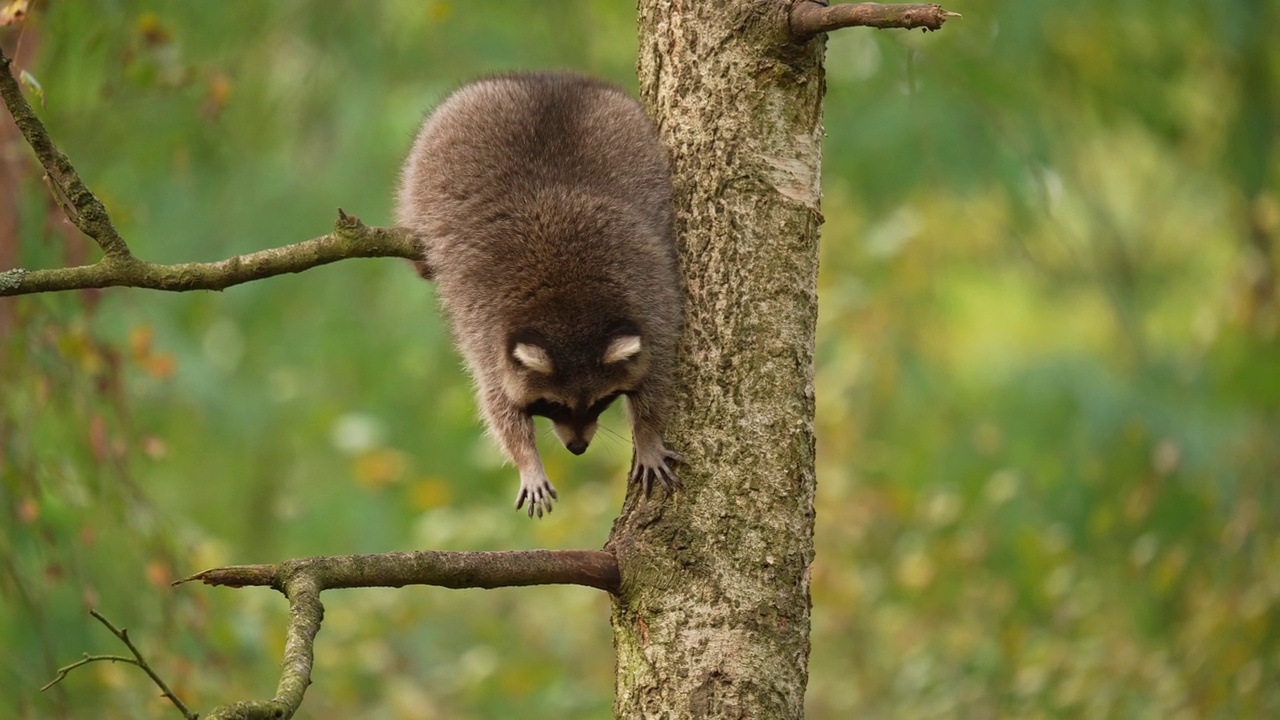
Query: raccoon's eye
point(553, 411)
point(601, 405)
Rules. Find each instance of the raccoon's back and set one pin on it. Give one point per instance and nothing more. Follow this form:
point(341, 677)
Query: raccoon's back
point(502, 142)
point(541, 193)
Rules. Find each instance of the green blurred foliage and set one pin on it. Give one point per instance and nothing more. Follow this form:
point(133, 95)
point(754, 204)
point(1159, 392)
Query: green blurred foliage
point(1048, 369)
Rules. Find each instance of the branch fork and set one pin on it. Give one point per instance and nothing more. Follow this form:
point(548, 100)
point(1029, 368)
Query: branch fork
point(302, 581)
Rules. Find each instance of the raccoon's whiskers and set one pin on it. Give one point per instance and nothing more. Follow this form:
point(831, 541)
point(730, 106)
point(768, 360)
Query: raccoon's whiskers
point(611, 433)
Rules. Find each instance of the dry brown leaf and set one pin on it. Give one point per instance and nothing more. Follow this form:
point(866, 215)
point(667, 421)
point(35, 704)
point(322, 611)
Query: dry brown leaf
point(13, 13)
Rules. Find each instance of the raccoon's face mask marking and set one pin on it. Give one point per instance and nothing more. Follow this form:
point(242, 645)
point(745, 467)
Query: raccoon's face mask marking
point(571, 395)
point(574, 424)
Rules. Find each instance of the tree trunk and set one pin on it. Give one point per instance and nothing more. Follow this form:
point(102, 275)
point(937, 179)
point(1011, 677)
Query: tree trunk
point(713, 617)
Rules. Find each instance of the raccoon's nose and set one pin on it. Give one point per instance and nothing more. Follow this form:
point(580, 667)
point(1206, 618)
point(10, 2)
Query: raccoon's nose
point(577, 446)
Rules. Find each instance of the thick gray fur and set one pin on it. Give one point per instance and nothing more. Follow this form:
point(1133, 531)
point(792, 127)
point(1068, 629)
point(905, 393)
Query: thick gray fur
point(543, 204)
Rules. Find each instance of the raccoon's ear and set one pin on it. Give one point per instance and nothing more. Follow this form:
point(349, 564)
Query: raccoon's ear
point(532, 357)
point(622, 348)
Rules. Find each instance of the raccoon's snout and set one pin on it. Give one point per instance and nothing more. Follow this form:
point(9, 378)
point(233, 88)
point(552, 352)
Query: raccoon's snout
point(575, 438)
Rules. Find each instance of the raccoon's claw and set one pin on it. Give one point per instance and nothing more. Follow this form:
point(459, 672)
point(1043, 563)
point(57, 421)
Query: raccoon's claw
point(540, 494)
point(657, 466)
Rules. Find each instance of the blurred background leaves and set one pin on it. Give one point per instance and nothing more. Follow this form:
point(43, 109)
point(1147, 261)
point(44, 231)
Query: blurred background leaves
point(1048, 384)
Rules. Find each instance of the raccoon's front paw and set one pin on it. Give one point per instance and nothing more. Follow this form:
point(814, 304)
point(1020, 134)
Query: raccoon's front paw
point(540, 493)
point(656, 463)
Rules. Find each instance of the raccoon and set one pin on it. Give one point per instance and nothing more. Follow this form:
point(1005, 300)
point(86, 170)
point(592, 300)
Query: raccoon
point(543, 205)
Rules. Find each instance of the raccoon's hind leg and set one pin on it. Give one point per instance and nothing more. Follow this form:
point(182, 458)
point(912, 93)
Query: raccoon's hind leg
point(514, 431)
point(651, 460)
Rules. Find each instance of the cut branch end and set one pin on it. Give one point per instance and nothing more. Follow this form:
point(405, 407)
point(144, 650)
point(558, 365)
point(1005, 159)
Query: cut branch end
point(813, 17)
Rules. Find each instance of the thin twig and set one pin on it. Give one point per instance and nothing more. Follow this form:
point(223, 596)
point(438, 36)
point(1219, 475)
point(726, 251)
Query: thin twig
point(65, 670)
point(122, 634)
point(811, 17)
point(86, 211)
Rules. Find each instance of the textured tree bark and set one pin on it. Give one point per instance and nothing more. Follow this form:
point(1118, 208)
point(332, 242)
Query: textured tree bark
point(712, 619)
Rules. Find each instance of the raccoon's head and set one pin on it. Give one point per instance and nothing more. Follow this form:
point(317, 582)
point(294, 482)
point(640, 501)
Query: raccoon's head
point(569, 387)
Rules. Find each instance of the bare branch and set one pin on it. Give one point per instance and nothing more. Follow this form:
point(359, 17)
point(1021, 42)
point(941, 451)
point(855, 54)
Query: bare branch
point(350, 239)
point(120, 268)
point(81, 206)
point(811, 17)
point(305, 614)
point(123, 635)
point(302, 581)
point(515, 568)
